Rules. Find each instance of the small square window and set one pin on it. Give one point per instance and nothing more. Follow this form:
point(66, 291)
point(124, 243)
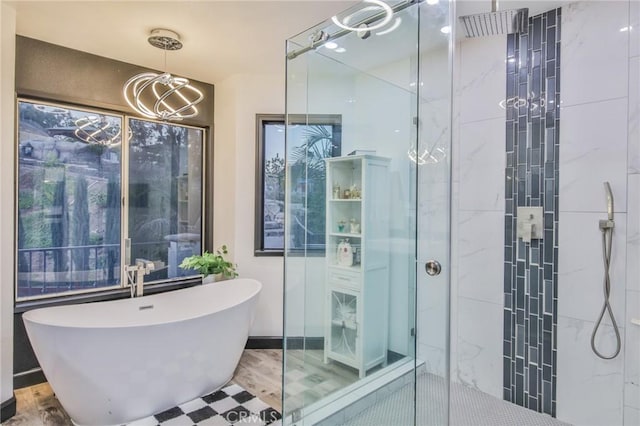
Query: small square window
point(311, 139)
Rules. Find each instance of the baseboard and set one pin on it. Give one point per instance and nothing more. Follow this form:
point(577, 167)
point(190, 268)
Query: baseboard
point(314, 343)
point(275, 342)
point(30, 378)
point(8, 409)
point(266, 342)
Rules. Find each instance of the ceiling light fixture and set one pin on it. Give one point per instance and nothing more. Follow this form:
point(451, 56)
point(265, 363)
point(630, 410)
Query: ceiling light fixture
point(445, 29)
point(382, 5)
point(96, 130)
point(161, 95)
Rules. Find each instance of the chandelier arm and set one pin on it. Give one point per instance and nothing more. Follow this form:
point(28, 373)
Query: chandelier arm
point(177, 113)
point(165, 95)
point(140, 86)
point(188, 104)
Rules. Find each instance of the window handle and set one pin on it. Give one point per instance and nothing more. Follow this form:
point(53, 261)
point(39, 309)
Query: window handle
point(127, 251)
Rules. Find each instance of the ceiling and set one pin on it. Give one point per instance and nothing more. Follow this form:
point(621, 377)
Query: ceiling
point(221, 38)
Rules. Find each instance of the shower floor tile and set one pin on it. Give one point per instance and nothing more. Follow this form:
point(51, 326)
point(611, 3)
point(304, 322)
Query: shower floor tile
point(468, 407)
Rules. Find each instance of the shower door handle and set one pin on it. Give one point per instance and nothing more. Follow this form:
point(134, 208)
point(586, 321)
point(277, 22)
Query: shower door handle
point(433, 268)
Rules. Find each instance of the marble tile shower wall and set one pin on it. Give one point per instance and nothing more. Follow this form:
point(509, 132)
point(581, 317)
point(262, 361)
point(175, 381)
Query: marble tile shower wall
point(632, 332)
point(600, 93)
point(477, 215)
point(599, 143)
point(531, 180)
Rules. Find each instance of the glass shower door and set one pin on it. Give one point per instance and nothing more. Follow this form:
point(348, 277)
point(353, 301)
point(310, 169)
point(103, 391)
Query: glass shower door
point(355, 200)
point(434, 162)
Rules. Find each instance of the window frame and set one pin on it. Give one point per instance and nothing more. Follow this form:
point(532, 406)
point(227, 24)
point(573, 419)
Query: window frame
point(127, 203)
point(124, 210)
point(335, 120)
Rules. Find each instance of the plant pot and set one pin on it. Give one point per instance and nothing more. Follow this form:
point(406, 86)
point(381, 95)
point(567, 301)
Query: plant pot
point(212, 278)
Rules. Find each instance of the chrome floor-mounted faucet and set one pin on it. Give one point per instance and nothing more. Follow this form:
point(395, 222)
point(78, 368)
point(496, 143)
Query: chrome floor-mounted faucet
point(135, 276)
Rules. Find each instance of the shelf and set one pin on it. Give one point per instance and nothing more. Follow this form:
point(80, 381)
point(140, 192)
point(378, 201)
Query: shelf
point(356, 315)
point(344, 234)
point(355, 268)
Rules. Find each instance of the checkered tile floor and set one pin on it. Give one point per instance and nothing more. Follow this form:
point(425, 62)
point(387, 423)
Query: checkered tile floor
point(229, 406)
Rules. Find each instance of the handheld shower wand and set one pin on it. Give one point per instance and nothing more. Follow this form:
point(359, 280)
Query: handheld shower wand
point(607, 187)
point(606, 227)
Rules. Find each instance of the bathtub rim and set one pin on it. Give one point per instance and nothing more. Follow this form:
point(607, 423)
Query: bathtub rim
point(26, 316)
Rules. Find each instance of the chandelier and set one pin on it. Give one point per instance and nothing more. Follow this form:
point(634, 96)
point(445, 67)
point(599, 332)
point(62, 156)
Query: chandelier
point(162, 95)
point(96, 130)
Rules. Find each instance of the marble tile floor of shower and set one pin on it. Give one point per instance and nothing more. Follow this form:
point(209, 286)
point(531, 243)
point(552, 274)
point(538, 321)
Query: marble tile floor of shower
point(259, 372)
point(469, 407)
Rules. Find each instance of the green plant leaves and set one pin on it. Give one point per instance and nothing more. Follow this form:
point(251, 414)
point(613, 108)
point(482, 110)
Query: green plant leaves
point(211, 263)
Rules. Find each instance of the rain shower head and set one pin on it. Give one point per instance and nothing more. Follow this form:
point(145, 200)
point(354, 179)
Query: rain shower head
point(495, 22)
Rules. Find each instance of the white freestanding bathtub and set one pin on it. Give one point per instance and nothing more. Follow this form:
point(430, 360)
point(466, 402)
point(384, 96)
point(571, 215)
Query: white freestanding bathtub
point(113, 362)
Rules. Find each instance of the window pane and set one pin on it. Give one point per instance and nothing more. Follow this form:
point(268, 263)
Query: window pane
point(68, 200)
point(310, 145)
point(273, 191)
point(165, 196)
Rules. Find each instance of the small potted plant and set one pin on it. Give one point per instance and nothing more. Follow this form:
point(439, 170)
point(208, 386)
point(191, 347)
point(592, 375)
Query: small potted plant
point(211, 265)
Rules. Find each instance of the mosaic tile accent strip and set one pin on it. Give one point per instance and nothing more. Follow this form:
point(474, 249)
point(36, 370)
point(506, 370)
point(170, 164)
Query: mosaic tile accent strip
point(531, 269)
point(228, 406)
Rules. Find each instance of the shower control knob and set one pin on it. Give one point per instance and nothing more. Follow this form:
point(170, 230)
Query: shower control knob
point(433, 267)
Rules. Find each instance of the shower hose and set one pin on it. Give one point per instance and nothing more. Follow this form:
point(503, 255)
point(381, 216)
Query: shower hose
point(607, 238)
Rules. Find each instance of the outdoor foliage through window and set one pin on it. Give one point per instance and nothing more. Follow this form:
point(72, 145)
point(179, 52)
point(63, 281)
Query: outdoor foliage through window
point(309, 145)
point(165, 195)
point(69, 231)
point(68, 199)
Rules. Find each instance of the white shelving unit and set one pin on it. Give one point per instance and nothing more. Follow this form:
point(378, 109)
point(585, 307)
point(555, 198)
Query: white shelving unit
point(357, 294)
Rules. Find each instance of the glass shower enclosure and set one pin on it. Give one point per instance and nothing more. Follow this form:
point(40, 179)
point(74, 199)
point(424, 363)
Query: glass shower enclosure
point(367, 216)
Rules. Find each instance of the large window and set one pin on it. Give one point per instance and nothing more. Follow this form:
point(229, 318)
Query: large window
point(68, 199)
point(165, 196)
point(70, 216)
point(312, 138)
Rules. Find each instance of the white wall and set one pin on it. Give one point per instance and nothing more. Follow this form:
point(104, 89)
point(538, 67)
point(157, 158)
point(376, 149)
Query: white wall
point(238, 99)
point(597, 114)
point(7, 260)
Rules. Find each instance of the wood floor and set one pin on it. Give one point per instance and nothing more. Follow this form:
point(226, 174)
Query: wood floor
point(259, 372)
